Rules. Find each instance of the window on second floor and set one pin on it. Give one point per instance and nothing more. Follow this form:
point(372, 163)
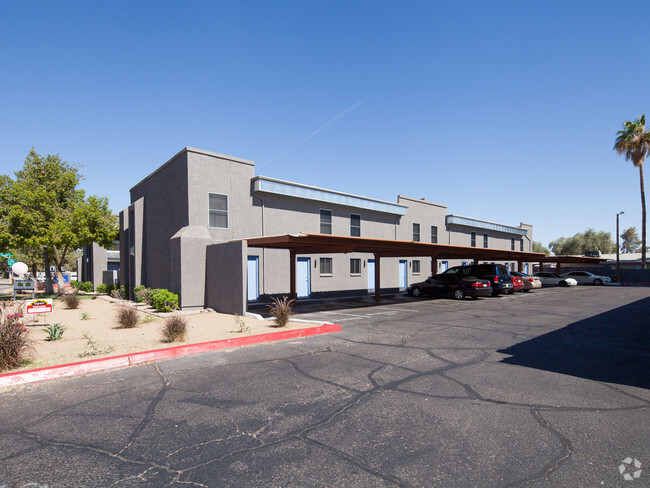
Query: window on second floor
point(325, 221)
point(512, 243)
point(416, 232)
point(521, 244)
point(485, 240)
point(355, 225)
point(218, 210)
point(434, 234)
point(472, 239)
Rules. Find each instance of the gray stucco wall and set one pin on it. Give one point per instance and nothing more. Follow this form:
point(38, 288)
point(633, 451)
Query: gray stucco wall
point(187, 256)
point(225, 277)
point(165, 208)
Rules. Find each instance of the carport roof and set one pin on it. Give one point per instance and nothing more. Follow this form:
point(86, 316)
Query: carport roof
point(330, 244)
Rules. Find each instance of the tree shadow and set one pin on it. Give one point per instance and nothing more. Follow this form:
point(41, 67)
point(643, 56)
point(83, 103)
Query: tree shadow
point(613, 347)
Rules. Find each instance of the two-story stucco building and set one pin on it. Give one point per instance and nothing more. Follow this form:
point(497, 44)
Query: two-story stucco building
point(173, 234)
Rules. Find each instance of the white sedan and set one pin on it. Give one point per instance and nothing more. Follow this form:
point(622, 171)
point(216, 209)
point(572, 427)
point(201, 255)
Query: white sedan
point(586, 278)
point(551, 279)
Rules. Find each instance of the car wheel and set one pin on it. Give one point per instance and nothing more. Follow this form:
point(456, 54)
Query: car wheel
point(598, 282)
point(474, 297)
point(526, 291)
point(495, 293)
point(563, 283)
point(416, 292)
point(459, 294)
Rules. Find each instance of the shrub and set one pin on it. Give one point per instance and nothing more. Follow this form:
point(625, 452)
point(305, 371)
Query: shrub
point(54, 332)
point(142, 294)
point(117, 293)
point(163, 300)
point(102, 288)
point(282, 310)
point(82, 285)
point(174, 329)
point(127, 317)
point(85, 316)
point(71, 300)
point(14, 342)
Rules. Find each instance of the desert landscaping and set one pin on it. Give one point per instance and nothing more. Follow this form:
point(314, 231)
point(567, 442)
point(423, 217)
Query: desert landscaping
point(93, 331)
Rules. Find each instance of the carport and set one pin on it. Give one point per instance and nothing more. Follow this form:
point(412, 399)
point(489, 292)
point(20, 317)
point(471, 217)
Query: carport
point(560, 260)
point(298, 244)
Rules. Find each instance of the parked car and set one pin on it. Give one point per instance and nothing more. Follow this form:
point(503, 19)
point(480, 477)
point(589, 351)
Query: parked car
point(518, 283)
point(551, 279)
point(498, 275)
point(586, 278)
point(455, 285)
point(530, 282)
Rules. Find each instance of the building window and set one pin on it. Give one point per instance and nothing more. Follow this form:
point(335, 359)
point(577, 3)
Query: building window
point(325, 266)
point(325, 221)
point(485, 240)
point(355, 266)
point(434, 234)
point(416, 267)
point(521, 245)
point(473, 239)
point(218, 205)
point(355, 225)
point(416, 232)
point(512, 243)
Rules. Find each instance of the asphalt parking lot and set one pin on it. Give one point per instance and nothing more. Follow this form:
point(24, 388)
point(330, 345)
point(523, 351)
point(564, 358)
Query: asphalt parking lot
point(545, 389)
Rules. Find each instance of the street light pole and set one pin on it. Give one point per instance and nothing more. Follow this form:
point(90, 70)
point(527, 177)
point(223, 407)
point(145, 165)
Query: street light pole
point(618, 253)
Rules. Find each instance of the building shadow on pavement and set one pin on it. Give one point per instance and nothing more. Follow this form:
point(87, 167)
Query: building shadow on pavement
point(613, 347)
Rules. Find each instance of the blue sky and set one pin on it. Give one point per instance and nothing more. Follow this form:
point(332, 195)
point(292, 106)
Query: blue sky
point(503, 111)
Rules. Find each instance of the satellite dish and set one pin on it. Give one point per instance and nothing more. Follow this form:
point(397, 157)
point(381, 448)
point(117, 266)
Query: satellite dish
point(19, 268)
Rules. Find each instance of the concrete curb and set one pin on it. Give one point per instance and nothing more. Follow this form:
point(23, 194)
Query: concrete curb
point(126, 360)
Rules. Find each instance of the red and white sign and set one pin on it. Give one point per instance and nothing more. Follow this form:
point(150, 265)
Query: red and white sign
point(40, 305)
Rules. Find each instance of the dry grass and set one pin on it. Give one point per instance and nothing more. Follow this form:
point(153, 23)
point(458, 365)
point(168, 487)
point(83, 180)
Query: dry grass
point(282, 310)
point(71, 300)
point(127, 317)
point(174, 329)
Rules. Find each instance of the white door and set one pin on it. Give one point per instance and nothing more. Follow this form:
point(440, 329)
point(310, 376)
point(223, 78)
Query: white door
point(445, 266)
point(303, 277)
point(253, 278)
point(371, 275)
point(402, 275)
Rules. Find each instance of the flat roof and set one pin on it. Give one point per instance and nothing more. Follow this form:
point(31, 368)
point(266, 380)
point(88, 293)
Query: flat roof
point(484, 224)
point(264, 184)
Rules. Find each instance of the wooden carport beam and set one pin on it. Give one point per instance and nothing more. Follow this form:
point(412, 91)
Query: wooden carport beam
point(292, 275)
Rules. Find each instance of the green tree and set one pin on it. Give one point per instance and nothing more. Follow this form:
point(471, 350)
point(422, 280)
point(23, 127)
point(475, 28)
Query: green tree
point(539, 247)
point(589, 240)
point(634, 143)
point(42, 207)
point(631, 241)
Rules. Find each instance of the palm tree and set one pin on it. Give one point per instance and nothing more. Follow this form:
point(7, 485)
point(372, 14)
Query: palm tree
point(634, 143)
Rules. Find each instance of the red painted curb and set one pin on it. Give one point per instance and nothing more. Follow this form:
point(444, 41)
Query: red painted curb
point(125, 360)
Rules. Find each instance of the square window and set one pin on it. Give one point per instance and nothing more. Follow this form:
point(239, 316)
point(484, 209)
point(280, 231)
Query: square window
point(355, 266)
point(434, 234)
point(416, 232)
point(218, 210)
point(416, 267)
point(325, 221)
point(325, 266)
point(355, 225)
